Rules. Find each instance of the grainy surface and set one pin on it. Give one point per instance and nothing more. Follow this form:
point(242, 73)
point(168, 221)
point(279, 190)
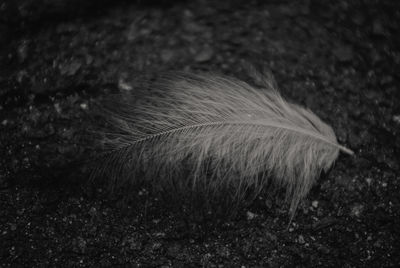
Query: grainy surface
point(339, 59)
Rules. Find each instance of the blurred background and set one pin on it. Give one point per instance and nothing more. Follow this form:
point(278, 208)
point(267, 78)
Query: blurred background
point(57, 57)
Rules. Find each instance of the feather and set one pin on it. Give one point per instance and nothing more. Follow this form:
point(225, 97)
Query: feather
point(212, 134)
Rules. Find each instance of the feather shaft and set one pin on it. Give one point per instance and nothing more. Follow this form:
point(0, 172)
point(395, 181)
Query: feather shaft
point(302, 131)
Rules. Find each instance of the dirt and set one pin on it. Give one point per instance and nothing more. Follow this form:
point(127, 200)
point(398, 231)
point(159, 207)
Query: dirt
point(338, 58)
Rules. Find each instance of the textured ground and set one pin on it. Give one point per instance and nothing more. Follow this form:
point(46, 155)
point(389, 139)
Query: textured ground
point(339, 59)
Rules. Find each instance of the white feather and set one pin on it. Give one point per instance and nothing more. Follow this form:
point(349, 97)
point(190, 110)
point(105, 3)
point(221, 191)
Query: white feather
point(231, 137)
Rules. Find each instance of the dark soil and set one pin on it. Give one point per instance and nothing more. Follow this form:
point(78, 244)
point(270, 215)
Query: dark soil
point(339, 58)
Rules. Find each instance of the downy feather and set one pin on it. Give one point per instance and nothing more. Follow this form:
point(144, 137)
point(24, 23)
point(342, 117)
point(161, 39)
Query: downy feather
point(231, 137)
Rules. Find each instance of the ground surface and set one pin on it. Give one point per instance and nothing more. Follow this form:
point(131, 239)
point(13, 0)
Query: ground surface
point(341, 60)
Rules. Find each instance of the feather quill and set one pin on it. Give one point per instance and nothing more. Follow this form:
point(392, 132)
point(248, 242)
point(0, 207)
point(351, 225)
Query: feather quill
point(228, 137)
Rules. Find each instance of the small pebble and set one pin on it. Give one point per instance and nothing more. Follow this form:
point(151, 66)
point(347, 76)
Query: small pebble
point(123, 85)
point(250, 215)
point(84, 106)
point(57, 107)
point(156, 245)
point(357, 210)
point(396, 119)
point(93, 212)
